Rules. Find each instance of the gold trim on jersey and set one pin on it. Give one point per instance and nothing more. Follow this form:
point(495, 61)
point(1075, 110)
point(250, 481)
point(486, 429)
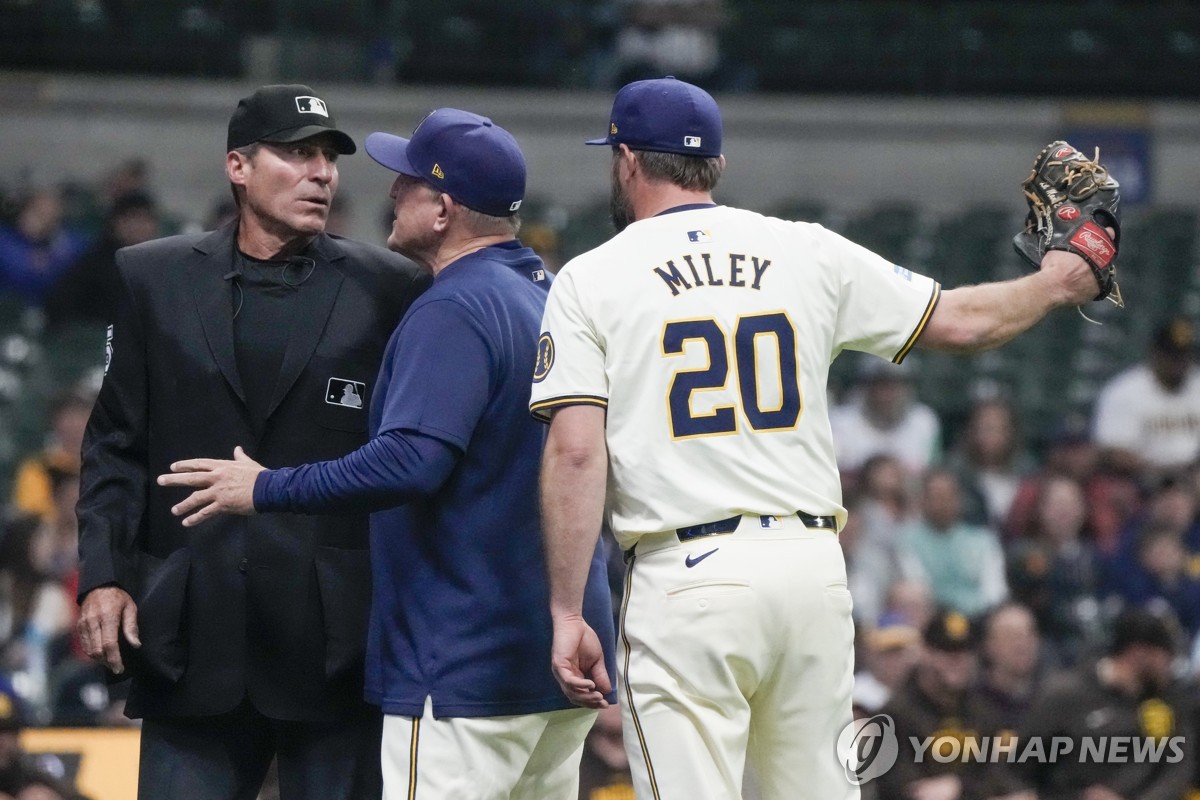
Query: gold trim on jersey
point(637, 723)
point(934, 296)
point(412, 758)
point(540, 409)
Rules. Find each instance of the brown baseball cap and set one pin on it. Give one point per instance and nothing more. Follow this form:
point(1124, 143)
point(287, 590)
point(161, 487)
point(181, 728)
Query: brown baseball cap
point(1176, 337)
point(949, 631)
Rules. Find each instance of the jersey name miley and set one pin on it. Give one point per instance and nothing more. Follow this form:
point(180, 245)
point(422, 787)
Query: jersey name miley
point(736, 270)
point(711, 360)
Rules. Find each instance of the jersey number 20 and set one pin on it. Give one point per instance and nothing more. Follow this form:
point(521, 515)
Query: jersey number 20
point(723, 419)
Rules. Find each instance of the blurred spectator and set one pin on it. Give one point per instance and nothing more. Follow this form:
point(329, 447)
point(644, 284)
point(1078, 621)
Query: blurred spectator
point(1160, 573)
point(670, 37)
point(1111, 498)
point(910, 601)
point(34, 612)
point(890, 652)
point(20, 777)
point(936, 703)
point(990, 462)
point(55, 547)
point(874, 558)
point(37, 249)
point(1129, 693)
point(604, 771)
point(963, 564)
point(88, 291)
point(1011, 666)
point(1057, 572)
point(1148, 417)
point(883, 416)
point(131, 176)
point(883, 483)
point(32, 488)
point(82, 697)
point(1154, 559)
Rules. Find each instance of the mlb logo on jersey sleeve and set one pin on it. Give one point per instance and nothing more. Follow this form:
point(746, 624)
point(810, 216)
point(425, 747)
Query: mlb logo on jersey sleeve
point(311, 105)
point(699, 236)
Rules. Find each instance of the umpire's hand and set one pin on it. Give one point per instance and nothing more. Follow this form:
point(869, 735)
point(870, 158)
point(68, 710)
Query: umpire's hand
point(107, 613)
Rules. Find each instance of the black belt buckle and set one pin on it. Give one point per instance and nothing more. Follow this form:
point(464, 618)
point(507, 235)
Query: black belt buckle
point(728, 525)
point(810, 521)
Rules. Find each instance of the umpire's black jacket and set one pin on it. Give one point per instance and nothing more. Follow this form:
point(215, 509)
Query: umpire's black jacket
point(272, 607)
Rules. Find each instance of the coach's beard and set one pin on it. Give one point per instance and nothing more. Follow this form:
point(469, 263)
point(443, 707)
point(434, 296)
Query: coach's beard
point(619, 209)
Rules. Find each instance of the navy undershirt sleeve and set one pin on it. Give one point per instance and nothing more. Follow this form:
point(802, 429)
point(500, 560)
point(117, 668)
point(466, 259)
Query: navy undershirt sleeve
point(393, 468)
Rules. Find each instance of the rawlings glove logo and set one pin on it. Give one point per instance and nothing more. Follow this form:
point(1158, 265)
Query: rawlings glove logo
point(1094, 244)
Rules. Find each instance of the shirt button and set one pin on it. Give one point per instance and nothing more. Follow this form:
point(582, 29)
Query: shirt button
point(242, 566)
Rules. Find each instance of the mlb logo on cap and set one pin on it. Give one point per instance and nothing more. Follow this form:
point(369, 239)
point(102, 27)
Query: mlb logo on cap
point(665, 115)
point(283, 113)
point(311, 105)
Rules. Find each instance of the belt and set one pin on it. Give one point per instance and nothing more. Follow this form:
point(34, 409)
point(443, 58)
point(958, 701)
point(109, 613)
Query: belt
point(729, 525)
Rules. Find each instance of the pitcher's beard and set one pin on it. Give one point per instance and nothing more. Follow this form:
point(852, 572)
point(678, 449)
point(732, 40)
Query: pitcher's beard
point(619, 209)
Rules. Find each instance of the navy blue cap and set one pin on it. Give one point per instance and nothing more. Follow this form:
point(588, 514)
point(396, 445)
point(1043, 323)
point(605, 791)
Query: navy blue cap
point(665, 115)
point(467, 156)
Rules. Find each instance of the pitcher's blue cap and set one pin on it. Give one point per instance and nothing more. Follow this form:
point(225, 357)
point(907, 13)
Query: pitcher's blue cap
point(467, 156)
point(665, 115)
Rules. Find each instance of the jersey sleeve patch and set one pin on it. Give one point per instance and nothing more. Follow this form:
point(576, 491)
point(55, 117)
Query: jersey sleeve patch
point(545, 357)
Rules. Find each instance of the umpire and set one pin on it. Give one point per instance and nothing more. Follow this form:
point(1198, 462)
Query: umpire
point(244, 637)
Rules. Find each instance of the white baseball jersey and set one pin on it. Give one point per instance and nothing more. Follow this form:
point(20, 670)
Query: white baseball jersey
point(707, 333)
point(1135, 412)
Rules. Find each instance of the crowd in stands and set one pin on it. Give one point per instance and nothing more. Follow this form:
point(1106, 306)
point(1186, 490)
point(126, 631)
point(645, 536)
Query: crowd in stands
point(990, 558)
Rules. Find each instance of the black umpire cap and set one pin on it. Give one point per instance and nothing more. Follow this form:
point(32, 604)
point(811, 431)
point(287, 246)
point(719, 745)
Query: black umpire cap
point(283, 113)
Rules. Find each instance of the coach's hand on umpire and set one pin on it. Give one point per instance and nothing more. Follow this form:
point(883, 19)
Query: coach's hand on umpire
point(222, 487)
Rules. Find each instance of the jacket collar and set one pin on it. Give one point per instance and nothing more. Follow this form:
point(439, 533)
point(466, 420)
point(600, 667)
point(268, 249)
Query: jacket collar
point(210, 275)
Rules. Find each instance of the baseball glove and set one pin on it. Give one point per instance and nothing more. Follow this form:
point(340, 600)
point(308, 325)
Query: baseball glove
point(1072, 200)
